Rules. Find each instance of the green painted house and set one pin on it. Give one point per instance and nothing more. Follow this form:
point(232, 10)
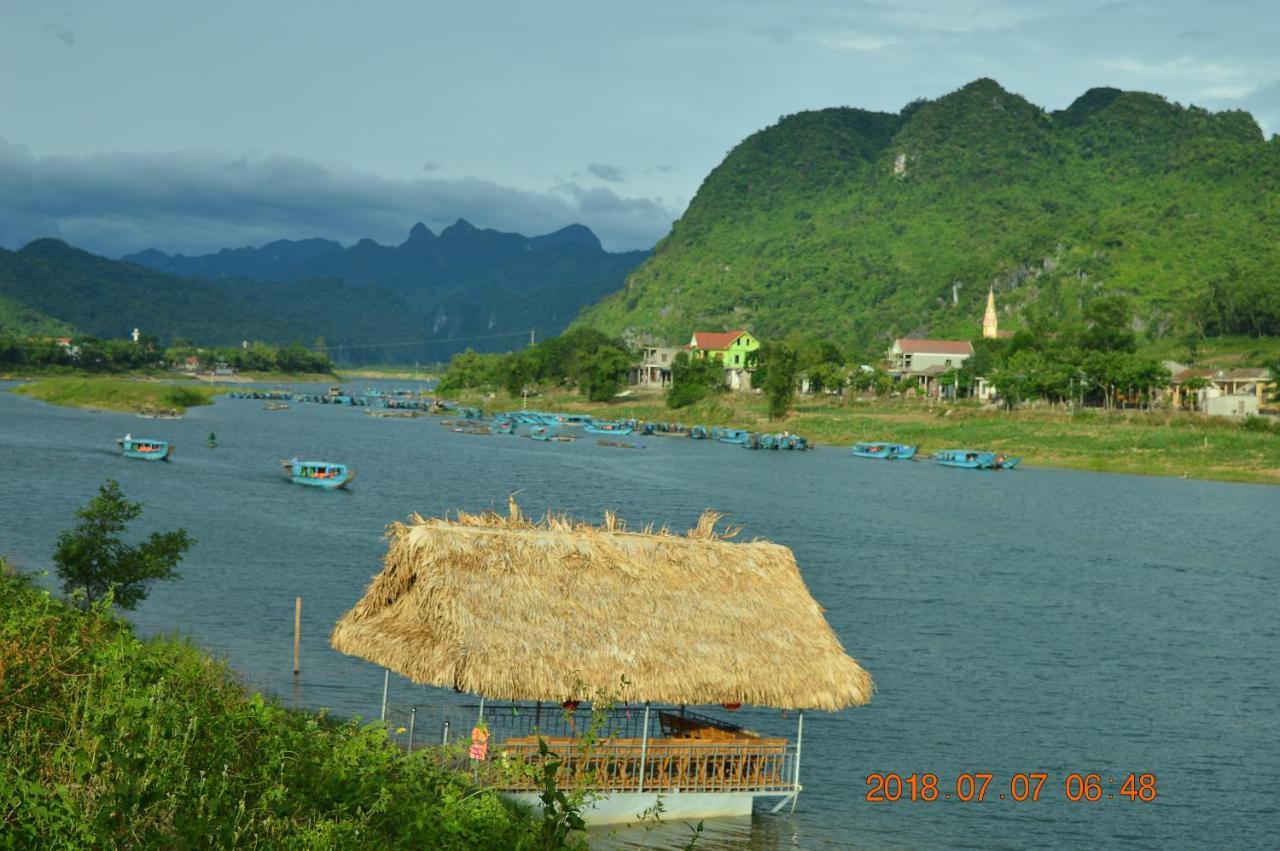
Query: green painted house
point(734, 349)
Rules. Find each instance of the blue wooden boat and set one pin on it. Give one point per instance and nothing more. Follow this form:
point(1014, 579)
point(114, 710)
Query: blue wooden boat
point(698, 432)
point(974, 459)
point(886, 451)
point(504, 426)
point(542, 432)
point(734, 436)
point(145, 448)
point(607, 427)
point(768, 441)
point(795, 441)
point(319, 474)
point(573, 419)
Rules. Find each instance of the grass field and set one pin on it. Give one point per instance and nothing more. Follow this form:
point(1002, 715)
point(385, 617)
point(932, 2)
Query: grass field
point(1159, 444)
point(118, 394)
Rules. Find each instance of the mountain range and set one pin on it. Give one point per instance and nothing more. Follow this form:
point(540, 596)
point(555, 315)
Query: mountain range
point(424, 299)
point(859, 226)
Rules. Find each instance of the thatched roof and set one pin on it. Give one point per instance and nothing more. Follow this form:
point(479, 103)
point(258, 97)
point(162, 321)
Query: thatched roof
point(557, 610)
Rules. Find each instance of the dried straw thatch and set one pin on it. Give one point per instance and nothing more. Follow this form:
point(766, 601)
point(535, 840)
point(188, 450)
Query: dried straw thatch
point(513, 610)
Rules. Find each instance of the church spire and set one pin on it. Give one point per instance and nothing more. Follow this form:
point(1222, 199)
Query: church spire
point(990, 323)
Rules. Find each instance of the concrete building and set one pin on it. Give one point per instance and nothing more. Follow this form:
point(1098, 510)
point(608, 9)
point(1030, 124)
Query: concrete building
point(734, 349)
point(654, 369)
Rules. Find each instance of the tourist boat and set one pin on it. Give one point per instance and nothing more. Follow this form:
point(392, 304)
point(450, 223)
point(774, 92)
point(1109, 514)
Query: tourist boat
point(734, 436)
point(542, 432)
point(761, 638)
point(698, 432)
point(974, 459)
point(146, 448)
point(573, 419)
point(795, 441)
point(504, 426)
point(887, 451)
point(607, 427)
point(320, 474)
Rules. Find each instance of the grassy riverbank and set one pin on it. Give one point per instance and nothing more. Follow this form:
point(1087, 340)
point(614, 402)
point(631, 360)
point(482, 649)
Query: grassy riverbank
point(110, 393)
point(1159, 444)
point(107, 741)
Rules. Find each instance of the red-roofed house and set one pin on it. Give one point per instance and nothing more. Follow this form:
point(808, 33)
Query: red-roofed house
point(732, 348)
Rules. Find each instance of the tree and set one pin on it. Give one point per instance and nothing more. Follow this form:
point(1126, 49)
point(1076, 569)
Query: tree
point(92, 560)
point(601, 373)
point(693, 379)
point(779, 383)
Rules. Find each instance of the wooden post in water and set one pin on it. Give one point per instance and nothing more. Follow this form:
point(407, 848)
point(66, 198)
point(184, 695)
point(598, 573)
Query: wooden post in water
point(386, 681)
point(297, 631)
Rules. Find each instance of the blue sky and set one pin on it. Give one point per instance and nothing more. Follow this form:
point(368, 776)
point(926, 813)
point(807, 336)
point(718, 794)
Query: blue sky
point(190, 127)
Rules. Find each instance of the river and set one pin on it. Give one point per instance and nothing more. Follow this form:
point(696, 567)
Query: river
point(1033, 621)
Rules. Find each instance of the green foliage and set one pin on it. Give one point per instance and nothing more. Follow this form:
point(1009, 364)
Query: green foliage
point(780, 364)
point(593, 362)
point(93, 562)
point(601, 373)
point(855, 225)
point(117, 394)
point(693, 379)
point(107, 742)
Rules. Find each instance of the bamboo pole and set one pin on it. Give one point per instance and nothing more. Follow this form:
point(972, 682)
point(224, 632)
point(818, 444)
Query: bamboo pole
point(386, 681)
point(799, 743)
point(297, 632)
point(644, 748)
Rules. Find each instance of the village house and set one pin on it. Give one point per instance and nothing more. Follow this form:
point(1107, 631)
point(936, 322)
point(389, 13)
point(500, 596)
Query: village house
point(654, 369)
point(734, 349)
point(1219, 392)
point(926, 360)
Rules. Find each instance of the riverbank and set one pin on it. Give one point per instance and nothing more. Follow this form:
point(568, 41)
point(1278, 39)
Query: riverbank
point(114, 393)
point(1174, 444)
point(109, 741)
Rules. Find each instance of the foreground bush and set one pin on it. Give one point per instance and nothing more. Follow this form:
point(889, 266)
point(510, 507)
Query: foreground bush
point(107, 741)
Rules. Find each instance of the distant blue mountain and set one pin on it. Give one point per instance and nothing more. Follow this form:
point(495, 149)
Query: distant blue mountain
point(466, 286)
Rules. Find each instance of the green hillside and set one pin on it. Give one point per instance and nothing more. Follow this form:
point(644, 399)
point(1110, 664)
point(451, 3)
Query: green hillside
point(861, 226)
point(18, 319)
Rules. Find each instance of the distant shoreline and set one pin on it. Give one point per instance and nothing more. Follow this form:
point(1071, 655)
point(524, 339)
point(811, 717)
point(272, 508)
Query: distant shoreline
point(1168, 444)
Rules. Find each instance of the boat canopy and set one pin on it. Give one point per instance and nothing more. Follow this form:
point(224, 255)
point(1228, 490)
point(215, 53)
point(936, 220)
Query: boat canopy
point(556, 610)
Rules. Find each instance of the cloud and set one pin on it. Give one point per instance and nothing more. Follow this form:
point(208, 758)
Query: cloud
point(1182, 68)
point(611, 173)
point(858, 42)
point(430, 166)
point(200, 201)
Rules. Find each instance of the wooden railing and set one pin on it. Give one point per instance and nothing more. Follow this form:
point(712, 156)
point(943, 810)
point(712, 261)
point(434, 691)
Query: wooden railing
point(685, 765)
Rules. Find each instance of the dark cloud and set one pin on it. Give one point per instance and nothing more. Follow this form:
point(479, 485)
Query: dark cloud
point(431, 166)
point(611, 173)
point(196, 202)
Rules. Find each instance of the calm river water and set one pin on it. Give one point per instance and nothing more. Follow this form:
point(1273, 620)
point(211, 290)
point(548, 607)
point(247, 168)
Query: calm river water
point(1037, 621)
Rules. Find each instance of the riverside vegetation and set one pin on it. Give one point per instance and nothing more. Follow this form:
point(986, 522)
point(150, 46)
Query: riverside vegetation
point(107, 741)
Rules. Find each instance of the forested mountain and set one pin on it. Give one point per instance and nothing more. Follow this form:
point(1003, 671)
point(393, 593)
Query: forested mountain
point(860, 226)
point(108, 299)
point(465, 284)
point(18, 319)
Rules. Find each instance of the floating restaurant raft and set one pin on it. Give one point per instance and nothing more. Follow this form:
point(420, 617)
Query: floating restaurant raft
point(478, 604)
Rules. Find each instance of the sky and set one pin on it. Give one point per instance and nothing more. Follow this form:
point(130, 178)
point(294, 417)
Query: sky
point(189, 127)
